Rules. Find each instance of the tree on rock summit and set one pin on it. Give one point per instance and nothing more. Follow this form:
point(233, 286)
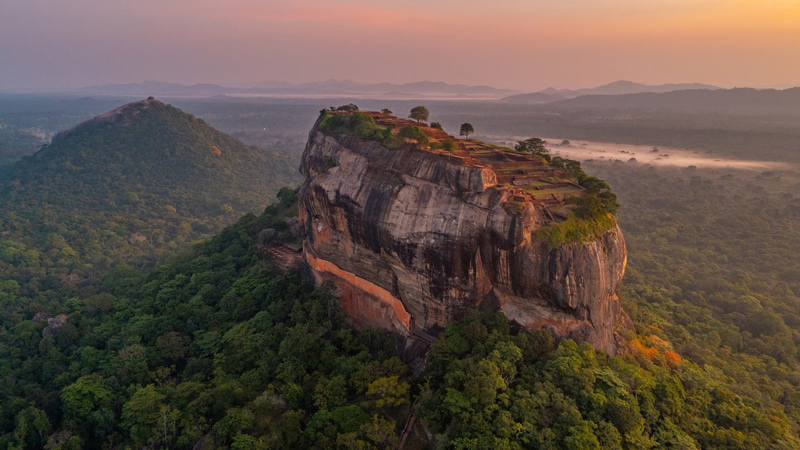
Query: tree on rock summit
point(466, 129)
point(419, 113)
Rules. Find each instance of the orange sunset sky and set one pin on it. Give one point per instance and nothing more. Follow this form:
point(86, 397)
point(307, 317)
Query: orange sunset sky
point(519, 44)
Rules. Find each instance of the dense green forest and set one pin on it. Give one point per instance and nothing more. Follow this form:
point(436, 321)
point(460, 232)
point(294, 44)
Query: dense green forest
point(217, 347)
point(214, 346)
point(714, 269)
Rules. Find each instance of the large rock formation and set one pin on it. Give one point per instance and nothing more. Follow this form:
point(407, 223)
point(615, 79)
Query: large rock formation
point(415, 238)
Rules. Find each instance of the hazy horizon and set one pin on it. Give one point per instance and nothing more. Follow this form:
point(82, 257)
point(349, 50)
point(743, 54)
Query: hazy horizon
point(277, 84)
point(510, 44)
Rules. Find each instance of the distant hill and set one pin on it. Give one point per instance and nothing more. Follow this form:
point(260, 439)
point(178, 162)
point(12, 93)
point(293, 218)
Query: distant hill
point(328, 88)
point(616, 88)
point(740, 100)
point(535, 97)
point(629, 87)
point(135, 182)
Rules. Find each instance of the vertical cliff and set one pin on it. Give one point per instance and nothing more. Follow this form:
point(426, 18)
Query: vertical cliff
point(415, 237)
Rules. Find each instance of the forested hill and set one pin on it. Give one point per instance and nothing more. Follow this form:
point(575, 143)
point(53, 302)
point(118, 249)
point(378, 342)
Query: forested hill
point(123, 189)
point(144, 176)
point(151, 151)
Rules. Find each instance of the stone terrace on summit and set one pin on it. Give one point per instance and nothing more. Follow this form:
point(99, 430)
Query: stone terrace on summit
point(528, 176)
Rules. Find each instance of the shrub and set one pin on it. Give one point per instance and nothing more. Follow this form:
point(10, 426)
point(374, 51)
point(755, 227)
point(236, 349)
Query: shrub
point(449, 145)
point(357, 123)
point(574, 229)
point(600, 189)
point(570, 167)
point(589, 207)
point(534, 145)
point(413, 132)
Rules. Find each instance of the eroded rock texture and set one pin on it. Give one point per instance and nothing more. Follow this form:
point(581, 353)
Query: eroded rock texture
point(415, 239)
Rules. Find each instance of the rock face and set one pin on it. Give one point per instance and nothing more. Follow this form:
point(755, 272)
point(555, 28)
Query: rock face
point(53, 323)
point(415, 239)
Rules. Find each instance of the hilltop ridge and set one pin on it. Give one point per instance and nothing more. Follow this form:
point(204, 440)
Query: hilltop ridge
point(621, 87)
point(124, 113)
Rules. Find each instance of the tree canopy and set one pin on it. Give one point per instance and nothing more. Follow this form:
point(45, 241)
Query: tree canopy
point(419, 113)
point(533, 145)
point(449, 145)
point(489, 387)
point(413, 132)
point(466, 130)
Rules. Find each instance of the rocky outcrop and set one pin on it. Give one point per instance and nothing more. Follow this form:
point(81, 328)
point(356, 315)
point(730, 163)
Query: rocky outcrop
point(53, 323)
point(414, 239)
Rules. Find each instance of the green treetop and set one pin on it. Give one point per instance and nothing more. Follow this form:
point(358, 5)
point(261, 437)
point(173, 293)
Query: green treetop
point(466, 129)
point(532, 145)
point(419, 113)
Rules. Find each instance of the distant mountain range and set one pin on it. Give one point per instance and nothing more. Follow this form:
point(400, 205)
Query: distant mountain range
point(738, 101)
point(615, 88)
point(688, 97)
point(328, 88)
